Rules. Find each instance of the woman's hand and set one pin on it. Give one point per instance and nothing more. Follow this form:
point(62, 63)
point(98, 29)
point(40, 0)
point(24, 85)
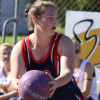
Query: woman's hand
point(17, 83)
point(52, 83)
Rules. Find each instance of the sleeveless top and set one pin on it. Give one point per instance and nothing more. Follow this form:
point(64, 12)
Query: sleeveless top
point(5, 82)
point(79, 77)
point(50, 63)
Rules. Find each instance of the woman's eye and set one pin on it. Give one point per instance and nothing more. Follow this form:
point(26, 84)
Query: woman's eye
point(50, 18)
point(4, 53)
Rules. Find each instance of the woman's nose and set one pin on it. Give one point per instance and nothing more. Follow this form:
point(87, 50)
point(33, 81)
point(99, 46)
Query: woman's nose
point(56, 22)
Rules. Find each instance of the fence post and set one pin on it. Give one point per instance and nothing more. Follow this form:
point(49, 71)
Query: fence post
point(15, 26)
point(4, 28)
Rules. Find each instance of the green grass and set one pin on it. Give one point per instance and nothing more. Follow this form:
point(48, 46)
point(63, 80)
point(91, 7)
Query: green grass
point(9, 39)
point(60, 30)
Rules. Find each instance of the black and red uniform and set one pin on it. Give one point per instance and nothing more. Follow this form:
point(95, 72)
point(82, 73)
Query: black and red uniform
point(51, 63)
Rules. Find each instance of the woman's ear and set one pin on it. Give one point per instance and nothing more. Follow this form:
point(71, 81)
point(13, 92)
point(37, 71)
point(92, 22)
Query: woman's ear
point(80, 53)
point(34, 19)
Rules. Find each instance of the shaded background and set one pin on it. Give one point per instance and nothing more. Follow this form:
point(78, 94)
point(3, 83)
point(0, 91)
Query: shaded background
point(7, 11)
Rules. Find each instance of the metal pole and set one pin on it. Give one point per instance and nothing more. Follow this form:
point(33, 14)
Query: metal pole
point(4, 28)
point(3, 32)
point(15, 24)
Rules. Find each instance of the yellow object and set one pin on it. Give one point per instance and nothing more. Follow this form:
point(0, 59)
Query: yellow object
point(98, 89)
point(97, 66)
point(5, 87)
point(91, 46)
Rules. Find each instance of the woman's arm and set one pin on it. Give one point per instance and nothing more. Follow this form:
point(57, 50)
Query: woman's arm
point(89, 70)
point(8, 95)
point(17, 65)
point(66, 51)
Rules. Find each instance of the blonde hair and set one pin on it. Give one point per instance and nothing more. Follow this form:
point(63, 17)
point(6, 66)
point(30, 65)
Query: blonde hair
point(7, 45)
point(37, 9)
point(77, 44)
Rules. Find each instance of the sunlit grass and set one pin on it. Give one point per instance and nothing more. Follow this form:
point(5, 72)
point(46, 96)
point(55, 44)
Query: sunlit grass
point(9, 38)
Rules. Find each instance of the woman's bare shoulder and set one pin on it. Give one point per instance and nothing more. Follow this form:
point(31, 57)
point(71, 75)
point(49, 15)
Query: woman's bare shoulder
point(17, 48)
point(65, 45)
point(66, 42)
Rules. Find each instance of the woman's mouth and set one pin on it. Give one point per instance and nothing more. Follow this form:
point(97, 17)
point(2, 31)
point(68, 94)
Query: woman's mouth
point(53, 28)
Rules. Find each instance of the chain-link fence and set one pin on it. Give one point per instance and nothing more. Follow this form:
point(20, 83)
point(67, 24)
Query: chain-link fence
point(8, 11)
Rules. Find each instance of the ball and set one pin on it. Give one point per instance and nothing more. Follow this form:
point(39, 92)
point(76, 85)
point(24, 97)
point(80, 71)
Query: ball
point(33, 85)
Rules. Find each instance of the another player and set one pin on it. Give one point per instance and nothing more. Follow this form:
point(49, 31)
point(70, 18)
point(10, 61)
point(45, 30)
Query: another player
point(46, 50)
point(6, 90)
point(85, 75)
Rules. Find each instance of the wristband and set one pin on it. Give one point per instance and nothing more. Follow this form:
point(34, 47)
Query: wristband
point(88, 79)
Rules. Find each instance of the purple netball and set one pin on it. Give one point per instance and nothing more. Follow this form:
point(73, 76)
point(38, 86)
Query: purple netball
point(33, 85)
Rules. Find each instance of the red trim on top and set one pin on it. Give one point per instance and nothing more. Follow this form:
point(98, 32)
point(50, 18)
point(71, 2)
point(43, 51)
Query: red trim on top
point(78, 96)
point(56, 54)
point(28, 44)
point(50, 48)
point(56, 62)
point(52, 43)
point(57, 44)
point(24, 52)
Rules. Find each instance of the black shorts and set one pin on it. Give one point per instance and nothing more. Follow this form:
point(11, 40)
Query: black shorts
point(69, 91)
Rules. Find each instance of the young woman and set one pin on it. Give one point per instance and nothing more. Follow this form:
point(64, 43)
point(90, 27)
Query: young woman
point(85, 75)
point(46, 50)
point(6, 90)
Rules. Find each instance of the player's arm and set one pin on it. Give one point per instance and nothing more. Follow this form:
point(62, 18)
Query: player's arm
point(89, 70)
point(8, 95)
point(66, 51)
point(17, 64)
point(67, 60)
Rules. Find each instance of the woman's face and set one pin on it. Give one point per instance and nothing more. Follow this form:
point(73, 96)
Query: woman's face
point(5, 54)
point(48, 21)
point(77, 51)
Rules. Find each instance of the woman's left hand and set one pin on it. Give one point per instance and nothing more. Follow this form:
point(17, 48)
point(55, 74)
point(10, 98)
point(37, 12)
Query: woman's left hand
point(53, 85)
